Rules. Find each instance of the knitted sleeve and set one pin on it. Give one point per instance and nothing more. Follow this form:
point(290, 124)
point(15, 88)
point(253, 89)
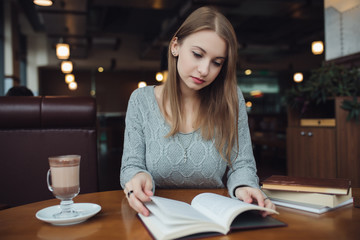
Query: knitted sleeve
point(133, 159)
point(243, 171)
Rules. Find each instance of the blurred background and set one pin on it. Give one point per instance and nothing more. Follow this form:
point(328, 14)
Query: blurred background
point(116, 44)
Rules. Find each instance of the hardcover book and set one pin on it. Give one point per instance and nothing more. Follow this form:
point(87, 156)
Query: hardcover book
point(208, 214)
point(313, 208)
point(307, 184)
point(328, 200)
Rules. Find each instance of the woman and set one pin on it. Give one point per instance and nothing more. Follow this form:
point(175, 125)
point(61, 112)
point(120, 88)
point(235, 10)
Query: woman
point(186, 132)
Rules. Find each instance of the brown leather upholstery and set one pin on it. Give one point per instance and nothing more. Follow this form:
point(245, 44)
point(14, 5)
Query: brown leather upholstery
point(34, 128)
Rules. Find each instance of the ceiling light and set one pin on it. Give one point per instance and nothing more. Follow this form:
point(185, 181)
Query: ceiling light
point(43, 3)
point(298, 77)
point(256, 93)
point(141, 84)
point(62, 51)
point(248, 72)
point(72, 86)
point(159, 77)
point(69, 78)
point(66, 66)
point(100, 69)
point(317, 47)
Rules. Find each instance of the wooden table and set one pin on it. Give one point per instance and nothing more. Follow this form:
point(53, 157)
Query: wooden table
point(118, 221)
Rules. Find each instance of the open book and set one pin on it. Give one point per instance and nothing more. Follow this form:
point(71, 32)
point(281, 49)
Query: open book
point(208, 213)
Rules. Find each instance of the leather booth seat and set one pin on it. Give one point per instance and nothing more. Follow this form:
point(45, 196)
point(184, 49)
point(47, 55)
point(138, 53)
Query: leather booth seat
point(34, 128)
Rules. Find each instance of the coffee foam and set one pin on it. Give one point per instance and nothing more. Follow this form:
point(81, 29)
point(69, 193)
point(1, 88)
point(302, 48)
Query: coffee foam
point(64, 161)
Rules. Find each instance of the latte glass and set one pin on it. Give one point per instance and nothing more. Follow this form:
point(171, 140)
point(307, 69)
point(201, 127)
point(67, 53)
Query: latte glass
point(63, 181)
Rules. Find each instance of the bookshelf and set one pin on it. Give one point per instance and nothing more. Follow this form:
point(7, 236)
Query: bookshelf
point(326, 146)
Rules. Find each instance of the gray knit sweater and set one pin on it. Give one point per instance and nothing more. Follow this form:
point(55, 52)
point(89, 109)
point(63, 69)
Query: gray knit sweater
point(184, 160)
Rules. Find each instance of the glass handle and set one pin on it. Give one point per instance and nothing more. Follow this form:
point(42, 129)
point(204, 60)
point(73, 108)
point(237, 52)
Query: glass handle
point(48, 180)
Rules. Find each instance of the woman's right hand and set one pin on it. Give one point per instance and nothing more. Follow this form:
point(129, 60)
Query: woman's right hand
point(139, 190)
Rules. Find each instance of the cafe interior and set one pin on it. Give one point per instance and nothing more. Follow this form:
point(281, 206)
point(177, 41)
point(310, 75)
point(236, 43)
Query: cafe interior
point(113, 47)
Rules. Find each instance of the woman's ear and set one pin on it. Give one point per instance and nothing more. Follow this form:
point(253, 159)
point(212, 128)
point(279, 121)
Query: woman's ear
point(175, 47)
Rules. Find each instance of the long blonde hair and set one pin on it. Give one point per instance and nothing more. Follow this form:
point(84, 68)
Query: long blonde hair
point(218, 110)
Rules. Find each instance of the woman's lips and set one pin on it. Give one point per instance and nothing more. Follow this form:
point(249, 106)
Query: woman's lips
point(198, 80)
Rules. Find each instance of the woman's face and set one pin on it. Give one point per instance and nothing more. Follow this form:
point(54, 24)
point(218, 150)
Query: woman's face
point(201, 56)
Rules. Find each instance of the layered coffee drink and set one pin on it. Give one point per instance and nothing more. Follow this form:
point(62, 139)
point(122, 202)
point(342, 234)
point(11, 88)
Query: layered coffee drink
point(65, 176)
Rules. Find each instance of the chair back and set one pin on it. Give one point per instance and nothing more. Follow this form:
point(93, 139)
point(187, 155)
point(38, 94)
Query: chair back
point(34, 128)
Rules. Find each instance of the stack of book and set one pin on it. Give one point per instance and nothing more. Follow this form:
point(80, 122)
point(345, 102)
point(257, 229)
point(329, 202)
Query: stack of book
point(317, 195)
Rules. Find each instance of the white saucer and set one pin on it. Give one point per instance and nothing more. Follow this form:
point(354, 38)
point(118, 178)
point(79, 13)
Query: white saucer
point(86, 211)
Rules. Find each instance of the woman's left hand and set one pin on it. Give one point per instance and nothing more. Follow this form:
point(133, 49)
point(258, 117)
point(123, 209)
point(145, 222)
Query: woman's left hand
point(250, 195)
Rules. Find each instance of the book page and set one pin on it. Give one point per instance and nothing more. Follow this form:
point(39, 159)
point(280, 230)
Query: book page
point(163, 230)
point(222, 209)
point(175, 212)
point(172, 219)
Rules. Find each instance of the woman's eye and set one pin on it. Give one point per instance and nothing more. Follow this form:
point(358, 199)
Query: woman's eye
point(218, 64)
point(198, 55)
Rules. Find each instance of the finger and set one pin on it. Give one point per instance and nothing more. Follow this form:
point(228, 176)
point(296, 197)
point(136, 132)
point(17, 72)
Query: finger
point(268, 204)
point(145, 190)
point(243, 195)
point(149, 193)
point(256, 194)
point(264, 213)
point(148, 187)
point(138, 206)
point(126, 192)
point(247, 198)
point(135, 188)
point(129, 193)
point(128, 188)
point(141, 195)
